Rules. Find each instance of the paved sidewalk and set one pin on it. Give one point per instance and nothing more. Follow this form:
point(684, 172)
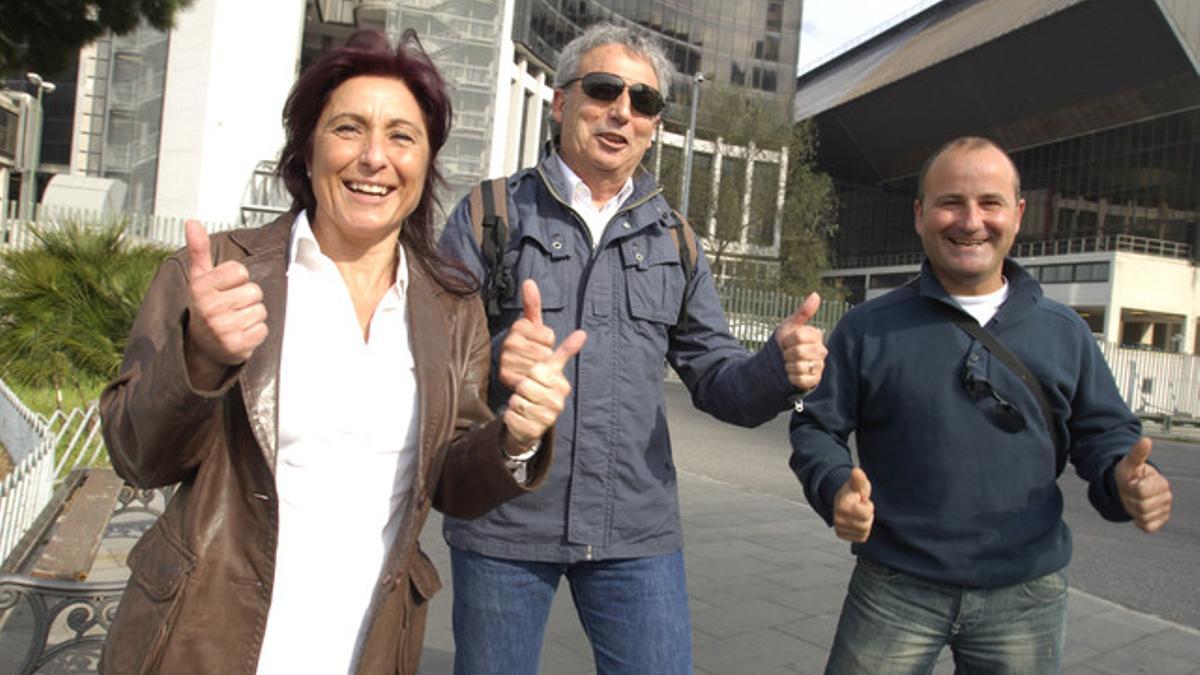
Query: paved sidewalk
point(766, 579)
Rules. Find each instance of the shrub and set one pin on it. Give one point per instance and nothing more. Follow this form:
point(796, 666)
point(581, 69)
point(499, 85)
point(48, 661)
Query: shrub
point(66, 305)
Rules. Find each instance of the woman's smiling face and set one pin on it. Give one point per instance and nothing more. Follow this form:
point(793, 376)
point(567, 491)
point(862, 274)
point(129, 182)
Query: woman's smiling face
point(370, 156)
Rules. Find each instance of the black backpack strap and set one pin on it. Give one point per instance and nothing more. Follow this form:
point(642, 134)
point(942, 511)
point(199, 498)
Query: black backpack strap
point(688, 255)
point(489, 219)
point(1015, 364)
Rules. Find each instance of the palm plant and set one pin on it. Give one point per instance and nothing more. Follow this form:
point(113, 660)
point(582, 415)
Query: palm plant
point(66, 305)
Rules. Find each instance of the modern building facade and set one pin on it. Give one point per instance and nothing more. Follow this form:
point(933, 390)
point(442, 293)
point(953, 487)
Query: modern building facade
point(190, 121)
point(1098, 102)
point(118, 112)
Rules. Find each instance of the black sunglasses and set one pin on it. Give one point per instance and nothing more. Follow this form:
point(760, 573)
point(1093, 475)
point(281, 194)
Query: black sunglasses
point(608, 87)
point(1003, 414)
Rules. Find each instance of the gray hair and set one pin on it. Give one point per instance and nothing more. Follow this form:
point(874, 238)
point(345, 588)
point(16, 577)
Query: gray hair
point(601, 34)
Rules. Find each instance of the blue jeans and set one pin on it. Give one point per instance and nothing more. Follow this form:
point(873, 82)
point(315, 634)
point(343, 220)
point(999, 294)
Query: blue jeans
point(896, 623)
point(634, 612)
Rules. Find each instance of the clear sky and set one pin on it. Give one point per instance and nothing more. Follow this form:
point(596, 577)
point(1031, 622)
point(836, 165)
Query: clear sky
point(829, 25)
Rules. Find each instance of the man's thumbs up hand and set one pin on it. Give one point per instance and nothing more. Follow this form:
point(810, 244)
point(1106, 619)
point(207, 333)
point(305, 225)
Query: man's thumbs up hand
point(853, 510)
point(1145, 493)
point(803, 350)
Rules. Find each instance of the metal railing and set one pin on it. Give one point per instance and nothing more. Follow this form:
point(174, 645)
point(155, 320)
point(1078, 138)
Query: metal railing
point(1156, 383)
point(1128, 243)
point(17, 232)
point(27, 490)
point(43, 451)
point(754, 313)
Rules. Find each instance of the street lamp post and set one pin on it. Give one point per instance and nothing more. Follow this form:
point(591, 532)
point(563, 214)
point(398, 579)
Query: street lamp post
point(34, 151)
point(687, 151)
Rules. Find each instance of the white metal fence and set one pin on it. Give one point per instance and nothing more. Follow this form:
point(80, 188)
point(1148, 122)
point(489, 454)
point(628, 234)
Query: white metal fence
point(1156, 383)
point(25, 491)
point(755, 313)
point(43, 451)
point(18, 233)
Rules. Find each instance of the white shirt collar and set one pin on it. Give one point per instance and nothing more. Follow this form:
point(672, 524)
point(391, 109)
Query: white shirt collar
point(580, 190)
point(305, 249)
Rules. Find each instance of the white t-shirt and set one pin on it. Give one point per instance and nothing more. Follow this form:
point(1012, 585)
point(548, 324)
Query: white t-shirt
point(348, 434)
point(983, 307)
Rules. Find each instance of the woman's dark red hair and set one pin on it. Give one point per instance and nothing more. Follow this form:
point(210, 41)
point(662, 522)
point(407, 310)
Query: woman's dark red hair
point(367, 52)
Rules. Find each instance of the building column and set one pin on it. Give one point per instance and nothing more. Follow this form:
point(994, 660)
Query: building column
point(533, 121)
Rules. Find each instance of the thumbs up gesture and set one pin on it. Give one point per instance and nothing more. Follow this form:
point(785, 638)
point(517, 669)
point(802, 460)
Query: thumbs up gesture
point(803, 350)
point(227, 319)
point(541, 395)
point(1145, 493)
point(529, 341)
point(853, 510)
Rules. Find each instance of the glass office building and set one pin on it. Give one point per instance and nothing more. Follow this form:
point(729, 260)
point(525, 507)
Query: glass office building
point(753, 45)
point(1097, 102)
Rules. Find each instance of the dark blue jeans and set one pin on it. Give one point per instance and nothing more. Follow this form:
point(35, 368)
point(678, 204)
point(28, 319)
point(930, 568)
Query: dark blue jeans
point(634, 612)
point(897, 624)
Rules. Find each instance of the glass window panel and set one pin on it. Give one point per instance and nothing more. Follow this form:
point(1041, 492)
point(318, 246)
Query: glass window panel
point(763, 202)
point(775, 16)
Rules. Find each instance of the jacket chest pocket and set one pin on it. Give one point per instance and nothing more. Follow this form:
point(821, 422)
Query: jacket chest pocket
point(545, 259)
point(653, 277)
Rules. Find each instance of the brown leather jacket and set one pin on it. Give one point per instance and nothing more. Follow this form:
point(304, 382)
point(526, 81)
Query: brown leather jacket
point(201, 577)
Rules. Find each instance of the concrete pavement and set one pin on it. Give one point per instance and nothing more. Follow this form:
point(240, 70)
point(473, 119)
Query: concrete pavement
point(766, 579)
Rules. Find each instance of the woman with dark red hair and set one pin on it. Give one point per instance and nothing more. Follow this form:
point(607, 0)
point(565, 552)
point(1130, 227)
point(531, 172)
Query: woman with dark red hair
point(314, 386)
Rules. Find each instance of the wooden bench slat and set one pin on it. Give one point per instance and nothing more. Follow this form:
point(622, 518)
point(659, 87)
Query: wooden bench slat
point(72, 547)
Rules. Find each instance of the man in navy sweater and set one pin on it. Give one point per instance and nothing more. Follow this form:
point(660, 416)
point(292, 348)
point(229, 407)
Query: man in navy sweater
point(954, 512)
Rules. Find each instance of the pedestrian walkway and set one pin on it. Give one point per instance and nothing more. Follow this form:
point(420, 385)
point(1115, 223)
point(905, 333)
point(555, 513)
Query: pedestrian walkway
point(766, 579)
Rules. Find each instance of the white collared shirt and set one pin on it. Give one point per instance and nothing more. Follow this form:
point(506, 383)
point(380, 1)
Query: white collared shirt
point(581, 201)
point(348, 434)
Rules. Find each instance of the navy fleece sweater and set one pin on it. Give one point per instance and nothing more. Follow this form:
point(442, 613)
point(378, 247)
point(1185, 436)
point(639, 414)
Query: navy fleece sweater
point(958, 499)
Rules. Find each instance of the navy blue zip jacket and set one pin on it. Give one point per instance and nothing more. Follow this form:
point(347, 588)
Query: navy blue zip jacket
point(612, 489)
point(958, 499)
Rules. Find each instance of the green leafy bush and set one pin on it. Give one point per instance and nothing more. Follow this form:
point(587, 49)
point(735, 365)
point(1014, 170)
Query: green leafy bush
point(66, 305)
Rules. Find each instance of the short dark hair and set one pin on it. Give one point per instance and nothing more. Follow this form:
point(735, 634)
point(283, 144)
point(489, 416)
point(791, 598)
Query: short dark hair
point(368, 53)
point(966, 143)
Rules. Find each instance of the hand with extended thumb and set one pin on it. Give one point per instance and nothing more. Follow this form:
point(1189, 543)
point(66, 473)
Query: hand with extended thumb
point(529, 341)
point(1145, 493)
point(853, 510)
point(226, 315)
point(802, 346)
point(540, 397)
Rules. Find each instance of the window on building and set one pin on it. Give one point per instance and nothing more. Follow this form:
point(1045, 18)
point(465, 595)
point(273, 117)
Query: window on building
point(775, 16)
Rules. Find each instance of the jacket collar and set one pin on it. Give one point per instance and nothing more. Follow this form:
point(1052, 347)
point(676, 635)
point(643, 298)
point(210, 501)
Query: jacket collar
point(1023, 289)
point(644, 206)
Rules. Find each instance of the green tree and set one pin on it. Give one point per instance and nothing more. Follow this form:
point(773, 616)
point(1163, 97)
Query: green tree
point(44, 35)
point(809, 212)
point(66, 306)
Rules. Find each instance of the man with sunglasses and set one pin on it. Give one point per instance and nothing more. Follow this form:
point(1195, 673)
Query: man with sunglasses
point(591, 245)
point(954, 512)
